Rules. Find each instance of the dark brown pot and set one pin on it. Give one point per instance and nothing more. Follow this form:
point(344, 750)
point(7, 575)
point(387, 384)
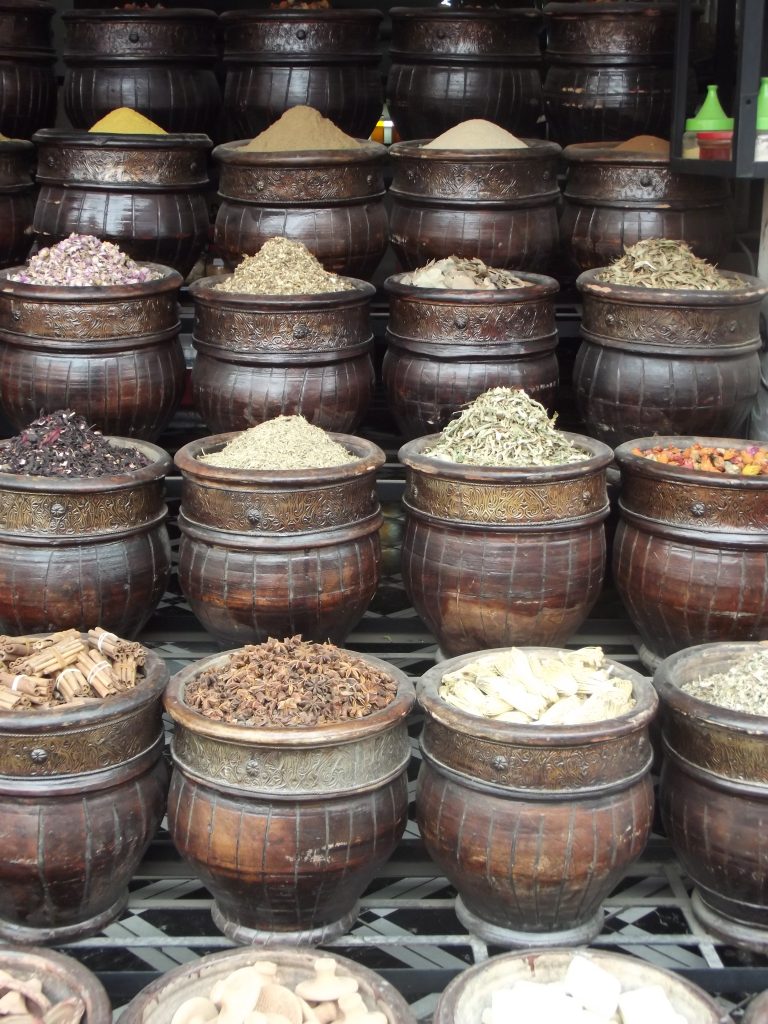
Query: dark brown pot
point(145, 193)
point(503, 556)
point(17, 200)
point(62, 977)
point(452, 65)
point(691, 551)
point(614, 198)
point(261, 356)
point(499, 205)
point(447, 347)
point(157, 1003)
point(331, 200)
point(84, 552)
point(27, 77)
point(328, 60)
point(112, 354)
point(667, 362)
point(714, 797)
point(267, 553)
point(609, 70)
point(319, 810)
point(157, 61)
point(82, 793)
point(533, 825)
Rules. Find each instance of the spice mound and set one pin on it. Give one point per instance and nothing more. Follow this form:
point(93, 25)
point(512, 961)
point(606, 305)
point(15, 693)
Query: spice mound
point(476, 134)
point(83, 261)
point(743, 687)
point(666, 263)
point(504, 427)
point(22, 1001)
point(286, 442)
point(567, 688)
point(648, 144)
point(458, 273)
point(751, 460)
point(125, 121)
point(283, 267)
point(63, 445)
point(39, 671)
point(586, 994)
point(299, 129)
point(290, 682)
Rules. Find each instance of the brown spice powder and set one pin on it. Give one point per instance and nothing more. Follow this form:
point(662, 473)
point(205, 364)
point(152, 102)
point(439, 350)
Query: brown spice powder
point(286, 442)
point(299, 129)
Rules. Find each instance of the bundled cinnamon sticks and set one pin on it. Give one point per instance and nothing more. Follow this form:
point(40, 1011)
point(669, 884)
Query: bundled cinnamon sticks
point(40, 671)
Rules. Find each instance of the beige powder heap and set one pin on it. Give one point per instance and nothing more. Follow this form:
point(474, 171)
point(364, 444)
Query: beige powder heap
point(301, 128)
point(476, 134)
point(287, 442)
point(283, 267)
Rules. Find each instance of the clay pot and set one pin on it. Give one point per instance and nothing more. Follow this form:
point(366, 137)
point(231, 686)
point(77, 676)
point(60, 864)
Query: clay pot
point(614, 198)
point(111, 353)
point(273, 553)
point(82, 793)
point(145, 193)
point(279, 59)
point(757, 1011)
point(261, 356)
point(534, 825)
point(609, 70)
point(667, 361)
point(17, 200)
point(158, 61)
point(331, 200)
point(503, 556)
point(691, 551)
point(62, 977)
point(85, 551)
point(444, 348)
point(287, 826)
point(452, 65)
point(714, 796)
point(27, 76)
point(157, 1003)
point(499, 205)
point(469, 994)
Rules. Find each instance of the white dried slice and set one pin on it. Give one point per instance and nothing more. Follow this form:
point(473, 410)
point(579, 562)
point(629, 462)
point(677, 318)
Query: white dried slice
point(556, 674)
point(471, 695)
point(564, 712)
point(601, 706)
point(515, 694)
point(516, 664)
point(515, 717)
point(584, 657)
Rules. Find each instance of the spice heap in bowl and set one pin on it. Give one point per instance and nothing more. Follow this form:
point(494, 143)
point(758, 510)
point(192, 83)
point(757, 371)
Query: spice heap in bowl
point(459, 274)
point(283, 267)
point(742, 687)
point(752, 460)
point(668, 264)
point(83, 261)
point(22, 1001)
point(126, 121)
point(300, 128)
point(286, 442)
point(476, 133)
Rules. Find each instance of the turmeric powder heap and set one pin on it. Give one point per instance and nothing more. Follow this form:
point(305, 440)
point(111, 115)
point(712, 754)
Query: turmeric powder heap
point(125, 121)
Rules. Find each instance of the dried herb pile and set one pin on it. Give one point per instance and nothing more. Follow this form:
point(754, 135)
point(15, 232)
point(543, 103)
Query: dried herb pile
point(286, 442)
point(290, 682)
point(744, 687)
point(63, 445)
point(39, 671)
point(666, 263)
point(504, 427)
point(458, 273)
point(752, 460)
point(83, 261)
point(283, 267)
point(24, 1002)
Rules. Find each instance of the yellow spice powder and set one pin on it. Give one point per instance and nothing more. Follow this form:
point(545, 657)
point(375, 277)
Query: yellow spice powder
point(125, 121)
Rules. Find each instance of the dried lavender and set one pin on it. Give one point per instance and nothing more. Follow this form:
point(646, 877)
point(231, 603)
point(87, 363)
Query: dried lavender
point(83, 261)
point(290, 682)
point(286, 442)
point(63, 445)
point(283, 267)
point(744, 687)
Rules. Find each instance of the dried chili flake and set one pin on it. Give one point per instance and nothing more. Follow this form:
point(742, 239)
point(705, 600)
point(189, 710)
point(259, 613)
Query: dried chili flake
point(751, 460)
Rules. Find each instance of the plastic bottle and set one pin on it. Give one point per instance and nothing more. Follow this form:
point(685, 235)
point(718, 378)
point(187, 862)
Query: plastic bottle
point(710, 121)
point(761, 139)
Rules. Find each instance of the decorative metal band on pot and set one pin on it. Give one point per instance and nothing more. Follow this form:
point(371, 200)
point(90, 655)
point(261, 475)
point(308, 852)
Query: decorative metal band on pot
point(258, 324)
point(465, 35)
point(448, 176)
point(276, 36)
point(166, 35)
point(610, 34)
point(25, 29)
point(17, 161)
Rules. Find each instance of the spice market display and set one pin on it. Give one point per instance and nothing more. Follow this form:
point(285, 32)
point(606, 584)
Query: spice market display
point(553, 483)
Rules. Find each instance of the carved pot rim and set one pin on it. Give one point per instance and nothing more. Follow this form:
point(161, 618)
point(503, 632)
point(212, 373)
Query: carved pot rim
point(232, 153)
point(203, 290)
point(16, 147)
point(291, 17)
point(288, 737)
point(752, 290)
point(640, 466)
point(51, 486)
point(719, 656)
point(610, 9)
point(541, 287)
point(44, 963)
point(59, 719)
point(510, 734)
point(145, 14)
point(28, 5)
point(61, 138)
point(369, 458)
point(442, 14)
point(600, 457)
point(607, 153)
point(414, 149)
point(170, 281)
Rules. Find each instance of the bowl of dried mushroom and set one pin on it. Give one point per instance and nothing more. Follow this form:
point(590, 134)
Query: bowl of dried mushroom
point(535, 792)
point(42, 987)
